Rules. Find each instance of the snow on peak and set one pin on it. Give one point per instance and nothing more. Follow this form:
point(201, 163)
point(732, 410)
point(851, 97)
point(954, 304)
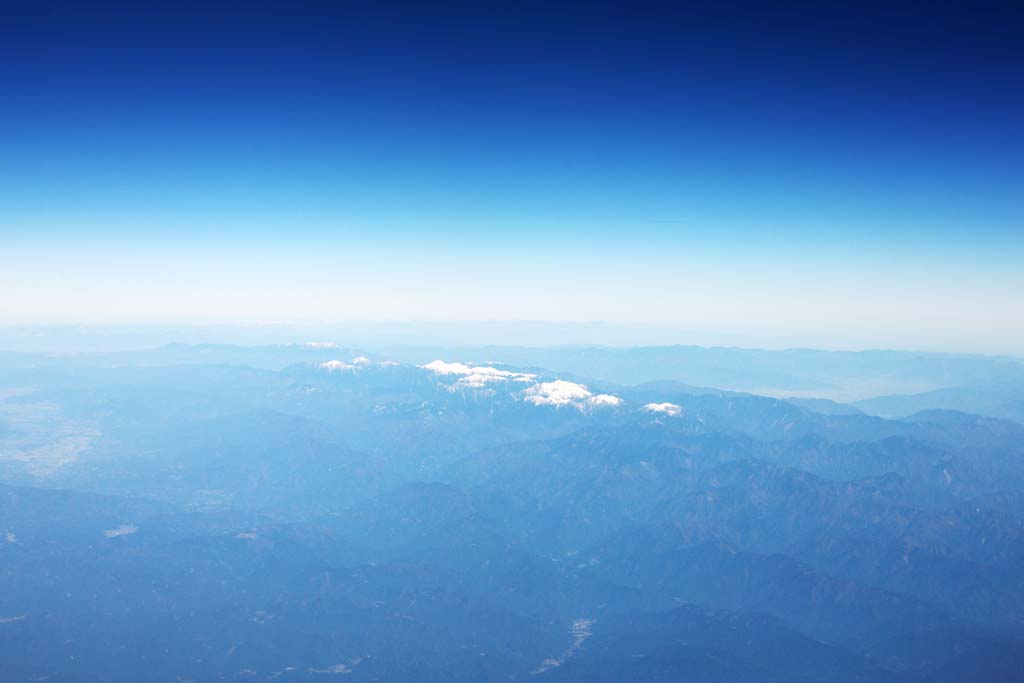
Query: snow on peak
point(336, 366)
point(439, 367)
point(347, 366)
point(564, 393)
point(321, 345)
point(475, 377)
point(556, 393)
point(605, 400)
point(666, 408)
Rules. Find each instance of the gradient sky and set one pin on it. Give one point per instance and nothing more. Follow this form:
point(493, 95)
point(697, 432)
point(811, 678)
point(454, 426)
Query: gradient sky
point(825, 175)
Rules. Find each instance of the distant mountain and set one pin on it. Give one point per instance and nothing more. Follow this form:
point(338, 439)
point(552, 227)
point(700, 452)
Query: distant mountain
point(1003, 398)
point(824, 406)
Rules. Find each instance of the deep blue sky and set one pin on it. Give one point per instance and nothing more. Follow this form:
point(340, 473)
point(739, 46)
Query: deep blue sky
point(848, 174)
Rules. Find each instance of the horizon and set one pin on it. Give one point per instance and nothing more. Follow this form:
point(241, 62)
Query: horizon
point(443, 335)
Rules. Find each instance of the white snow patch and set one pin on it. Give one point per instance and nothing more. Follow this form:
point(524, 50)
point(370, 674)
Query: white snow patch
point(604, 400)
point(337, 366)
point(666, 408)
point(477, 376)
point(11, 538)
point(122, 530)
point(478, 380)
point(560, 393)
point(321, 345)
point(356, 363)
point(247, 535)
point(440, 367)
point(557, 393)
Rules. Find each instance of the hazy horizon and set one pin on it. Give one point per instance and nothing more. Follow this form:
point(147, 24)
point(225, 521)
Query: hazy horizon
point(383, 334)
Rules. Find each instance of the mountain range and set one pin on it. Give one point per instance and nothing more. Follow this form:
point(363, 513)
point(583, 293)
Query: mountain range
point(301, 512)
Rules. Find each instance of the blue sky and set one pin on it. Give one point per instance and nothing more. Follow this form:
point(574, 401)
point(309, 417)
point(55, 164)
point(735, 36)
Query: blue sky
point(829, 176)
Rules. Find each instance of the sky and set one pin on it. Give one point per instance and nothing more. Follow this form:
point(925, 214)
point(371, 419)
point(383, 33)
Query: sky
point(796, 174)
